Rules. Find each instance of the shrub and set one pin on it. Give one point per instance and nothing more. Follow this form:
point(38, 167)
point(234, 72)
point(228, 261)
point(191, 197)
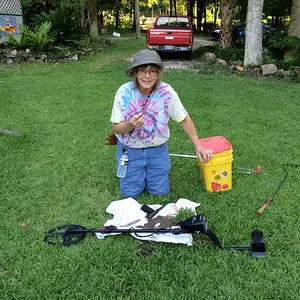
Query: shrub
point(84, 42)
point(63, 26)
point(126, 21)
point(37, 39)
point(232, 53)
point(289, 44)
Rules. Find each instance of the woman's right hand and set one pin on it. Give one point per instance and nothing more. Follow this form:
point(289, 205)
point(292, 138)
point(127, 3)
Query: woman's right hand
point(137, 120)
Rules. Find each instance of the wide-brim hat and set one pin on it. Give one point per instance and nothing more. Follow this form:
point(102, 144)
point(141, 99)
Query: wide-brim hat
point(145, 57)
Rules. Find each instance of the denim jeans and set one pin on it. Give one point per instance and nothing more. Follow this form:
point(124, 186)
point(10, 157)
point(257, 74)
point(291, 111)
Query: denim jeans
point(148, 168)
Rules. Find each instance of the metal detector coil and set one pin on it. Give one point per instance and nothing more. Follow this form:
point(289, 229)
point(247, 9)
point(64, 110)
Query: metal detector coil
point(65, 235)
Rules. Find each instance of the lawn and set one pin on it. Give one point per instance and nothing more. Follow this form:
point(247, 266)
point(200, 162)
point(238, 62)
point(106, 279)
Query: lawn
point(60, 170)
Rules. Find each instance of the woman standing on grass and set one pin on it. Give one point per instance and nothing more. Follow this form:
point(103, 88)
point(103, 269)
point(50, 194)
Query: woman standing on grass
point(140, 115)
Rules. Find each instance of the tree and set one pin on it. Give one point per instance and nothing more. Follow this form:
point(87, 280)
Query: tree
point(277, 9)
point(190, 9)
point(137, 19)
point(241, 10)
point(171, 7)
point(93, 18)
point(253, 45)
point(227, 8)
point(294, 27)
point(201, 5)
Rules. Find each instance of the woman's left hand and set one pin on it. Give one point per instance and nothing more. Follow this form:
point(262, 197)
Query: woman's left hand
point(203, 154)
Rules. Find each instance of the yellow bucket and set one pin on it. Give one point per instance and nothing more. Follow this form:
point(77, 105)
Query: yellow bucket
point(216, 174)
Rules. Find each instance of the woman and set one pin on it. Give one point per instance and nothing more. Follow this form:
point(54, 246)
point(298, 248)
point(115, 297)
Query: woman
point(140, 115)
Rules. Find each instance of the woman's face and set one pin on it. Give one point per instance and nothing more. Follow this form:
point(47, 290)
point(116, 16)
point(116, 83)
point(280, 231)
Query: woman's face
point(147, 77)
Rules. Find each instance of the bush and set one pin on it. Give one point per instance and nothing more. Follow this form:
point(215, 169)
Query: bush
point(126, 21)
point(63, 26)
point(285, 52)
point(37, 39)
point(85, 42)
point(231, 53)
point(289, 44)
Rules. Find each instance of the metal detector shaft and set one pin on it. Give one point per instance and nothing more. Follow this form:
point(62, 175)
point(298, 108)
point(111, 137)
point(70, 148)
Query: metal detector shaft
point(184, 155)
point(10, 132)
point(108, 230)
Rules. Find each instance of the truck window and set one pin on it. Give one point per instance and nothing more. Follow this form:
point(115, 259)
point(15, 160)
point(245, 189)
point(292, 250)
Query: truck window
point(173, 22)
point(163, 21)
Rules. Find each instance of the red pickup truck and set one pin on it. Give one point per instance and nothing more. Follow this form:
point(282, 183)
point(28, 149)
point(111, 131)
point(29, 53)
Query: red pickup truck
point(171, 34)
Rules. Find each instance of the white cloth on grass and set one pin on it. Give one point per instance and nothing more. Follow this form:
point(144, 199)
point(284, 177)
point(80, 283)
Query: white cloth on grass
point(129, 210)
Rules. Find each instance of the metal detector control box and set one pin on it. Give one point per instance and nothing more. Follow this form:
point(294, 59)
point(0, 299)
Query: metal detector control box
point(195, 223)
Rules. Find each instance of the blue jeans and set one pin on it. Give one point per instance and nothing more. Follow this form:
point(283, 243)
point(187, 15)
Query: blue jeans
point(148, 168)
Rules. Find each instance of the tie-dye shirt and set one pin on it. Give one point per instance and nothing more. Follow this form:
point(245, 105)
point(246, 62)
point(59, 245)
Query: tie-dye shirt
point(161, 105)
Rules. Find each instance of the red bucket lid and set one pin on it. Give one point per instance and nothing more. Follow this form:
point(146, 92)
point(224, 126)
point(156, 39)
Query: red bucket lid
point(217, 143)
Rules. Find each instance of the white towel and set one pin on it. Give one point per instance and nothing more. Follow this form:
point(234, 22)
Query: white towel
point(129, 210)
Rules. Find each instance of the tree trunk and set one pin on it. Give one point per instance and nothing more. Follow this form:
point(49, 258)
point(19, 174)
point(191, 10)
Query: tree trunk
point(243, 11)
point(82, 16)
point(199, 15)
point(171, 7)
point(175, 9)
point(227, 7)
point(200, 10)
point(190, 9)
point(101, 18)
point(276, 22)
point(137, 19)
point(204, 16)
point(117, 14)
point(216, 11)
point(133, 13)
point(93, 18)
point(294, 27)
point(253, 45)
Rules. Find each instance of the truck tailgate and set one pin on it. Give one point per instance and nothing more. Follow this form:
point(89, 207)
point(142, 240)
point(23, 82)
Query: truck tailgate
point(170, 36)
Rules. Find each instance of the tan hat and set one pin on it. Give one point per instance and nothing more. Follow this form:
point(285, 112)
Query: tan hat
point(145, 57)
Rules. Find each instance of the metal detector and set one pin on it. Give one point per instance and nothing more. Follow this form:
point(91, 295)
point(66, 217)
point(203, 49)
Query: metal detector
point(69, 234)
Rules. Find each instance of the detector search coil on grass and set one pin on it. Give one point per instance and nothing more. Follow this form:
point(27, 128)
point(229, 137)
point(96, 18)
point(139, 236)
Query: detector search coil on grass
point(70, 234)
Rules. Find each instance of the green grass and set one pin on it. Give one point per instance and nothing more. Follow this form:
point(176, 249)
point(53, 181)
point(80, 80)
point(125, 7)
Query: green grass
point(63, 112)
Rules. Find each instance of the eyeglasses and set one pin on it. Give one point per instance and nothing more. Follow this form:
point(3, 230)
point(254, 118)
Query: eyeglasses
point(144, 72)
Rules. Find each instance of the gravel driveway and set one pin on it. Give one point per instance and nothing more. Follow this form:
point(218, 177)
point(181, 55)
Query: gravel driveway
point(178, 63)
point(171, 62)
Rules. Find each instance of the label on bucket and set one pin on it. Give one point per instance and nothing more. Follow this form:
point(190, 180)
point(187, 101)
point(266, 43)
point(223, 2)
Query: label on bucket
point(217, 177)
point(215, 186)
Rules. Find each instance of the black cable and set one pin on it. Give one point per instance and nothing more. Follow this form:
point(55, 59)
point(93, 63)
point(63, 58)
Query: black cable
point(175, 231)
point(271, 198)
point(285, 176)
point(282, 181)
point(237, 248)
point(213, 238)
